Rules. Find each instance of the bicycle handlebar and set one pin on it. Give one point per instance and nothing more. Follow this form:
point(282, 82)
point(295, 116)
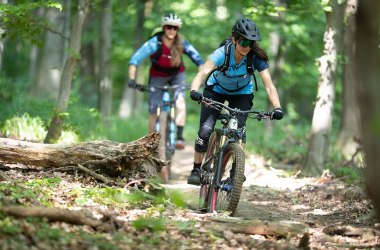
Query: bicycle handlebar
point(147, 88)
point(219, 106)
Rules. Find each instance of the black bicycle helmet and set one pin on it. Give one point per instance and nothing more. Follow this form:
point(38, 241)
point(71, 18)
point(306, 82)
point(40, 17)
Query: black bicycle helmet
point(247, 29)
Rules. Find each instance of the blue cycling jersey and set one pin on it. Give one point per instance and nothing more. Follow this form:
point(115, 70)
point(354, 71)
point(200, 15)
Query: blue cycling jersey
point(236, 76)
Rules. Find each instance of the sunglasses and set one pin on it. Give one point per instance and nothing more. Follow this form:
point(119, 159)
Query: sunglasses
point(244, 43)
point(171, 27)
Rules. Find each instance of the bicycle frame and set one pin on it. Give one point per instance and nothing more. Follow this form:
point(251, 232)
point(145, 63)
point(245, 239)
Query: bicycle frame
point(211, 177)
point(167, 105)
point(165, 124)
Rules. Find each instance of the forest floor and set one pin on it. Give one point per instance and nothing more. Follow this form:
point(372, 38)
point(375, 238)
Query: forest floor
point(316, 213)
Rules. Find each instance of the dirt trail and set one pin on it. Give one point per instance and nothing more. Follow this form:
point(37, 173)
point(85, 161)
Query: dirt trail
point(255, 172)
point(323, 204)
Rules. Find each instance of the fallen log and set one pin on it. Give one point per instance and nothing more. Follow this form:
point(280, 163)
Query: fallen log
point(134, 160)
point(52, 214)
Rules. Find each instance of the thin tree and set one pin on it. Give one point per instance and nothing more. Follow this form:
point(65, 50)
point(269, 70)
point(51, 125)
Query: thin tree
point(56, 124)
point(367, 64)
point(130, 97)
point(317, 152)
point(105, 83)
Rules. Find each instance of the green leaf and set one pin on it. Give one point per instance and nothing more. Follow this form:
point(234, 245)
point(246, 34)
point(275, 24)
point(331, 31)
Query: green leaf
point(154, 224)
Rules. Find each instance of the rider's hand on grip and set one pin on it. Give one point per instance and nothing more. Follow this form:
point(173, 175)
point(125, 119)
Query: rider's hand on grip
point(132, 83)
point(277, 114)
point(196, 96)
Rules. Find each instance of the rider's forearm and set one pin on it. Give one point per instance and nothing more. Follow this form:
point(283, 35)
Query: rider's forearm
point(132, 72)
point(202, 72)
point(270, 88)
point(273, 97)
point(197, 81)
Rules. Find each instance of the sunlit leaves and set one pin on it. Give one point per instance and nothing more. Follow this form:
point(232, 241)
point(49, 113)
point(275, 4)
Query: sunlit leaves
point(154, 224)
point(20, 20)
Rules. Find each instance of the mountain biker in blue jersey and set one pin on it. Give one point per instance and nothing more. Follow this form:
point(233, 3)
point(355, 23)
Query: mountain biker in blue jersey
point(165, 49)
point(232, 83)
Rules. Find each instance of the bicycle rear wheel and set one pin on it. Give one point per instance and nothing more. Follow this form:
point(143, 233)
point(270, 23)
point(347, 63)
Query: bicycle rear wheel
point(207, 174)
point(226, 198)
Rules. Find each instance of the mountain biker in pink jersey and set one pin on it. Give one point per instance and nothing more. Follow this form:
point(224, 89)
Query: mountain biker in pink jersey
point(165, 49)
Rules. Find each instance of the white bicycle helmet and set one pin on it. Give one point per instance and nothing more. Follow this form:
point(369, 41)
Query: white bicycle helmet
point(171, 19)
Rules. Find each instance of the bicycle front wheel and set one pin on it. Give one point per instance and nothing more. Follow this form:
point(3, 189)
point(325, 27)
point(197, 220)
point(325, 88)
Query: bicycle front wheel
point(206, 177)
point(226, 197)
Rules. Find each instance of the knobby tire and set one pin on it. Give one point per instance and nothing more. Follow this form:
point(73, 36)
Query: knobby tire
point(206, 180)
point(233, 165)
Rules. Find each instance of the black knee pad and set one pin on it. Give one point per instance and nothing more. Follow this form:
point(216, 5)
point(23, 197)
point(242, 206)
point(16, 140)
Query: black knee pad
point(205, 131)
point(203, 135)
point(201, 144)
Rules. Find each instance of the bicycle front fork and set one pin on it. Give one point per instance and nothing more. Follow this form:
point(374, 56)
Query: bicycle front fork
point(171, 136)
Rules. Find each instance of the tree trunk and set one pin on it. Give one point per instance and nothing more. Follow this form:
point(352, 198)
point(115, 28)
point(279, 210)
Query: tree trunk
point(367, 64)
point(55, 128)
point(134, 159)
point(349, 135)
point(50, 56)
point(131, 98)
point(105, 84)
point(2, 36)
point(323, 112)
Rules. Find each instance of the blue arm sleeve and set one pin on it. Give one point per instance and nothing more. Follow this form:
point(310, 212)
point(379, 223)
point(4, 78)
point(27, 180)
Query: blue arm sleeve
point(193, 54)
point(148, 48)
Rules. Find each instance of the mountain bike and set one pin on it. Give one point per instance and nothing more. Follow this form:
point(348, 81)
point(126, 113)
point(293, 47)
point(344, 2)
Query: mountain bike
point(222, 171)
point(165, 124)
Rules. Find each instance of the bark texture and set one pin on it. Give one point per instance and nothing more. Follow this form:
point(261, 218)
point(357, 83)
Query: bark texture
point(137, 159)
point(56, 124)
point(367, 66)
point(323, 112)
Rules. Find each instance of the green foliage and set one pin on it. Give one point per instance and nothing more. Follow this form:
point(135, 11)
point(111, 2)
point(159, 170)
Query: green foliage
point(45, 182)
point(177, 199)
point(52, 236)
point(116, 197)
point(24, 128)
point(153, 224)
point(47, 233)
point(105, 196)
point(8, 226)
point(20, 20)
point(349, 174)
point(30, 192)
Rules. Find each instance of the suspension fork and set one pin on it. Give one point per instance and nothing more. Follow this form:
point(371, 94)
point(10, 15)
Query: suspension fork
point(172, 110)
point(224, 142)
point(157, 122)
